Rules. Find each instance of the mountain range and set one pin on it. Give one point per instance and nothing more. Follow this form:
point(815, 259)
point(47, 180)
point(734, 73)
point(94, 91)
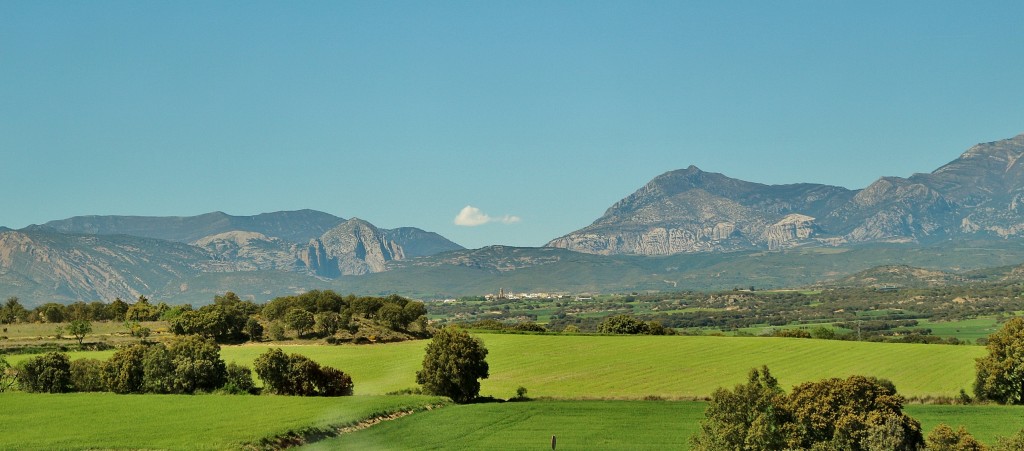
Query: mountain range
point(684, 229)
point(980, 194)
point(103, 257)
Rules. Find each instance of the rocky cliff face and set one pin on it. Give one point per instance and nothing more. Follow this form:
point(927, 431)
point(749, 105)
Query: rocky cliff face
point(90, 267)
point(249, 251)
point(360, 248)
point(689, 210)
point(43, 262)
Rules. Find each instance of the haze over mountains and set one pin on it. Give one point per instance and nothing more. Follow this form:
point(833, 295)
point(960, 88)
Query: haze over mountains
point(684, 229)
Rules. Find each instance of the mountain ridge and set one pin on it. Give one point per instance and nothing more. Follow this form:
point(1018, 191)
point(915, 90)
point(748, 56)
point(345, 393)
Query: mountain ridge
point(693, 211)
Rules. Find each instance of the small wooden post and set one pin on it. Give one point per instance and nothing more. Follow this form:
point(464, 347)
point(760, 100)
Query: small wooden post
point(553, 443)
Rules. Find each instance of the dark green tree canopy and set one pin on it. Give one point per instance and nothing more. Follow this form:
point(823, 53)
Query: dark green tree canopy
point(48, 373)
point(297, 375)
point(1000, 375)
point(747, 417)
point(857, 414)
point(453, 364)
point(623, 324)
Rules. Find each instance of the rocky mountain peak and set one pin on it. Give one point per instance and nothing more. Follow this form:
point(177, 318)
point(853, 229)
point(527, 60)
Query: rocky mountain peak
point(690, 210)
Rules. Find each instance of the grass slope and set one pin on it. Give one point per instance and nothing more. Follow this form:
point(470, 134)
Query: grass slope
point(606, 425)
point(105, 420)
point(634, 367)
point(640, 366)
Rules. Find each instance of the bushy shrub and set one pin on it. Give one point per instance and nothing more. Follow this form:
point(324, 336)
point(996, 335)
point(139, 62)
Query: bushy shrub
point(48, 373)
point(238, 380)
point(623, 324)
point(123, 372)
point(87, 375)
point(184, 365)
point(944, 438)
point(1014, 442)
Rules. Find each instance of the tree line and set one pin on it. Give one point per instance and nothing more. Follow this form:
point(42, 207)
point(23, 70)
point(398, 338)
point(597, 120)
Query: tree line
point(184, 365)
point(229, 319)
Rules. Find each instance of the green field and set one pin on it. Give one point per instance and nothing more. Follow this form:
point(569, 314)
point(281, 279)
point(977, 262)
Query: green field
point(605, 425)
point(969, 330)
point(635, 367)
point(578, 367)
point(582, 425)
point(106, 420)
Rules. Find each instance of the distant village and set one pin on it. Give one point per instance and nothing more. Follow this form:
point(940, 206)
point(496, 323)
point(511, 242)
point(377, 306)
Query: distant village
point(503, 295)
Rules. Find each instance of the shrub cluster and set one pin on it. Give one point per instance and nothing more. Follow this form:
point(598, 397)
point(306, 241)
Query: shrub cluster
point(295, 374)
point(628, 325)
point(185, 365)
point(857, 413)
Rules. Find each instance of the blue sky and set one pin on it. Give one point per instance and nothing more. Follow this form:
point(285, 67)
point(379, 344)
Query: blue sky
point(537, 115)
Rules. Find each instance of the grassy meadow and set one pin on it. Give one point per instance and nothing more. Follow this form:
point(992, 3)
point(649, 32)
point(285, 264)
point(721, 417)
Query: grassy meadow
point(578, 425)
point(590, 389)
point(106, 420)
point(636, 367)
point(605, 425)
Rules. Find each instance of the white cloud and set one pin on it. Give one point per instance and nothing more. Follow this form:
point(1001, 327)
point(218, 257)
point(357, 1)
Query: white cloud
point(471, 216)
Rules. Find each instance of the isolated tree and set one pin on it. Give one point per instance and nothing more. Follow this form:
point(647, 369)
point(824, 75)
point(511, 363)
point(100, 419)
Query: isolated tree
point(48, 373)
point(299, 320)
point(79, 328)
point(1000, 375)
point(453, 364)
point(748, 417)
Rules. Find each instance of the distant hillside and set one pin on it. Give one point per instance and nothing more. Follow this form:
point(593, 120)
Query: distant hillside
point(41, 265)
point(120, 256)
point(978, 195)
point(898, 276)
